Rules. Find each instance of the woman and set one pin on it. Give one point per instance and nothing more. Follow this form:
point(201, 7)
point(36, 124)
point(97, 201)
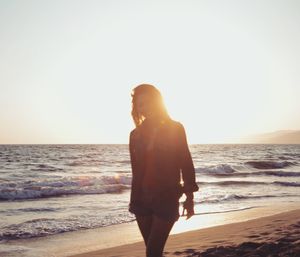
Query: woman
point(160, 161)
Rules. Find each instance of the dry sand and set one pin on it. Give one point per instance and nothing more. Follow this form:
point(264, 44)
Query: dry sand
point(276, 235)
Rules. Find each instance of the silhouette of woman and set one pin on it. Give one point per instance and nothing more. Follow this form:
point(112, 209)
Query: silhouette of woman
point(160, 162)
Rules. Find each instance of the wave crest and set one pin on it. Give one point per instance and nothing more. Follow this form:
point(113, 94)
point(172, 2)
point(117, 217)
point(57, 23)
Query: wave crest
point(216, 169)
point(269, 164)
point(65, 186)
point(248, 183)
point(237, 197)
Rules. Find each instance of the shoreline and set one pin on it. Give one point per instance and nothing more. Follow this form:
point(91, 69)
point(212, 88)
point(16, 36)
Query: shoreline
point(125, 238)
point(262, 236)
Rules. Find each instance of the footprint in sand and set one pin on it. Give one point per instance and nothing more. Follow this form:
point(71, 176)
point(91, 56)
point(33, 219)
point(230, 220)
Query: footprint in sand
point(189, 250)
point(249, 245)
point(264, 233)
point(254, 236)
point(186, 251)
point(178, 253)
point(288, 239)
point(296, 225)
point(278, 220)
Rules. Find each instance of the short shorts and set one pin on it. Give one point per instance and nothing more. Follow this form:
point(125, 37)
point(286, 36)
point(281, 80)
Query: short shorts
point(164, 206)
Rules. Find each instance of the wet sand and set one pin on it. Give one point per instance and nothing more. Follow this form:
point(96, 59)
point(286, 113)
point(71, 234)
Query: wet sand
point(274, 235)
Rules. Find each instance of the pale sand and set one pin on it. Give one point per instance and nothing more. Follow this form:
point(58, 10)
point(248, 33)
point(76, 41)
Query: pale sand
point(275, 235)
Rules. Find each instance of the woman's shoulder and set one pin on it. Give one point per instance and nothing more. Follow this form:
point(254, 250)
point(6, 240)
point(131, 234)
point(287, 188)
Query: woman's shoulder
point(173, 129)
point(135, 132)
point(176, 124)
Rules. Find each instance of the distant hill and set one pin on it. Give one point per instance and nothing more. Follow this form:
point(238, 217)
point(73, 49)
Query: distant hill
point(276, 137)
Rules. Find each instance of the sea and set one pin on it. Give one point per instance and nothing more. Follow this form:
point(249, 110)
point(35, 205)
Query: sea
point(52, 189)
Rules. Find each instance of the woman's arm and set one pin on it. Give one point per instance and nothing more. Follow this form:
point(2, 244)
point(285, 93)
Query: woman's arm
point(134, 167)
point(188, 173)
point(186, 165)
point(132, 153)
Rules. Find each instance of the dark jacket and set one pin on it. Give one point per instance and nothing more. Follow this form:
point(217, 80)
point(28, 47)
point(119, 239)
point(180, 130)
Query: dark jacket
point(171, 155)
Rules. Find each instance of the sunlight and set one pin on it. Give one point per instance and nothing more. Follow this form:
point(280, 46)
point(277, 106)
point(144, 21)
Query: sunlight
point(117, 178)
point(204, 111)
point(197, 221)
point(84, 180)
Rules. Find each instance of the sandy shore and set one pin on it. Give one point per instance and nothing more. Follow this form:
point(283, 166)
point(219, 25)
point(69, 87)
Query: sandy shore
point(198, 234)
point(275, 235)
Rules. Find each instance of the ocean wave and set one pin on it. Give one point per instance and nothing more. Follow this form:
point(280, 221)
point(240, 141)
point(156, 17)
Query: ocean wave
point(277, 173)
point(216, 169)
point(44, 167)
point(288, 184)
point(49, 226)
point(33, 209)
point(269, 164)
point(87, 162)
point(228, 170)
point(235, 197)
point(248, 183)
point(232, 183)
point(75, 163)
point(65, 186)
point(40, 192)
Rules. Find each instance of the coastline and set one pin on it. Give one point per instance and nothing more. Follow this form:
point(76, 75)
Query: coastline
point(262, 234)
point(125, 239)
point(77, 209)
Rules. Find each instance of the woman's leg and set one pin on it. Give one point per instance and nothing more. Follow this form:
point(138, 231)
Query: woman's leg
point(144, 223)
point(159, 233)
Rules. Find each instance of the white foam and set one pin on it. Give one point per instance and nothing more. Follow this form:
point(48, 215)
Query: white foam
point(216, 169)
point(65, 186)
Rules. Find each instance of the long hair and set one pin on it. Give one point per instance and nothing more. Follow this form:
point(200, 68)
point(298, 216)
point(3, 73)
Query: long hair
point(156, 101)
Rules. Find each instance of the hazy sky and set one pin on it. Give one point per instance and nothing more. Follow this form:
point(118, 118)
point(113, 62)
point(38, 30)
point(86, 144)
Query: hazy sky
point(225, 68)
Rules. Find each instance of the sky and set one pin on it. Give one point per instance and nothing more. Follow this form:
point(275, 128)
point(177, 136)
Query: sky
point(226, 69)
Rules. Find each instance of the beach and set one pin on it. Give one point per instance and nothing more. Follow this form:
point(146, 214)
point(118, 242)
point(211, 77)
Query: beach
point(111, 108)
point(62, 200)
point(272, 235)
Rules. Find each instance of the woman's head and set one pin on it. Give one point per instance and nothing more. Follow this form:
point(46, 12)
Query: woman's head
point(147, 102)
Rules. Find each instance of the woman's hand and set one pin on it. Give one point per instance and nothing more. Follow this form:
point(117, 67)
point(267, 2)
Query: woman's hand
point(188, 205)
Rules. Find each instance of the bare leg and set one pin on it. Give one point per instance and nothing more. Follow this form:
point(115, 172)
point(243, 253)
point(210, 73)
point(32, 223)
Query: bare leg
point(144, 223)
point(159, 233)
